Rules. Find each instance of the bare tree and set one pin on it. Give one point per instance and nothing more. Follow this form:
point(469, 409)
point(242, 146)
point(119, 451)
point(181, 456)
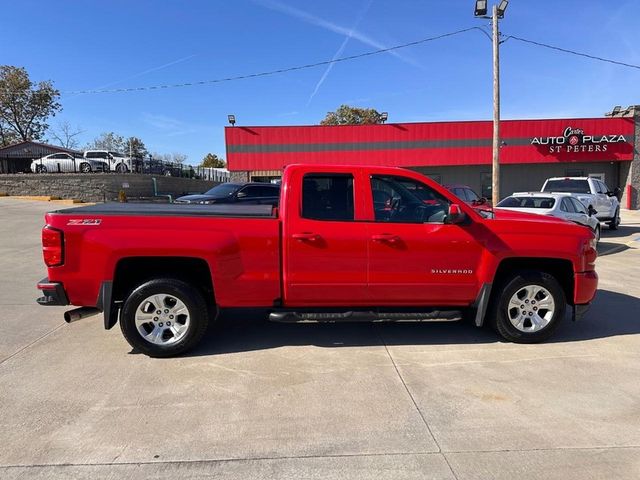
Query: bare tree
point(65, 135)
point(178, 157)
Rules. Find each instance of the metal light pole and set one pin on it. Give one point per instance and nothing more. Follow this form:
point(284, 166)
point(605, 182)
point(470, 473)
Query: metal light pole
point(496, 14)
point(495, 163)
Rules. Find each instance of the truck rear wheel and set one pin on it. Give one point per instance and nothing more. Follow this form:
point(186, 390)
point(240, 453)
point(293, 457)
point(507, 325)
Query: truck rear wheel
point(164, 317)
point(531, 306)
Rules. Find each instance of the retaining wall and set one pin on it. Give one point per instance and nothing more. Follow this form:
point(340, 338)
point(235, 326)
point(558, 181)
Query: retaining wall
point(99, 186)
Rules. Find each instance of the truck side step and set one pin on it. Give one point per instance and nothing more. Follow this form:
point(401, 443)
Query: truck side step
point(290, 316)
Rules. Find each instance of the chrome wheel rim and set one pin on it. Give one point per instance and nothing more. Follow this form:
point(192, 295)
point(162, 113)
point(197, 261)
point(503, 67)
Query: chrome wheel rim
point(162, 319)
point(531, 308)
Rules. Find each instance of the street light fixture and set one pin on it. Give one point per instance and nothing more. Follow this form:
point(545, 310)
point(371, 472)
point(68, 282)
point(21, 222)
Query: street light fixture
point(497, 13)
point(383, 117)
point(481, 8)
point(502, 8)
point(232, 119)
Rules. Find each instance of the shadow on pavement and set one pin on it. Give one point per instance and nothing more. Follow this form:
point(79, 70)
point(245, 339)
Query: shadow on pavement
point(607, 248)
point(612, 314)
point(622, 231)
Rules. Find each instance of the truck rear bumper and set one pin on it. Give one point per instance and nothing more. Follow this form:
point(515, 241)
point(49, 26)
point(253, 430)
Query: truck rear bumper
point(53, 293)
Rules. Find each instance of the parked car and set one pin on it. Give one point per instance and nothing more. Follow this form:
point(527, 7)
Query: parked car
point(561, 205)
point(243, 193)
point(468, 195)
point(159, 167)
point(117, 162)
point(593, 193)
point(66, 162)
point(326, 255)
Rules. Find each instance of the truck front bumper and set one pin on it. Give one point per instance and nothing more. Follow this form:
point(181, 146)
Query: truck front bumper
point(53, 293)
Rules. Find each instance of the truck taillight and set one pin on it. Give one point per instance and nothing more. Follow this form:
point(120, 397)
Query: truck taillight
point(52, 247)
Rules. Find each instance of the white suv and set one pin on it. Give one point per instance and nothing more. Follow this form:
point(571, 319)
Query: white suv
point(593, 193)
point(117, 161)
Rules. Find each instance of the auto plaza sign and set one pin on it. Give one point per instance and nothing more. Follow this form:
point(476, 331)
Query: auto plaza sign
point(575, 140)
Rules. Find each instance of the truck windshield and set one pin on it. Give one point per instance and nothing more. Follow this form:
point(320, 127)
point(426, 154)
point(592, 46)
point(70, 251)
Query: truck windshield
point(527, 202)
point(223, 190)
point(567, 185)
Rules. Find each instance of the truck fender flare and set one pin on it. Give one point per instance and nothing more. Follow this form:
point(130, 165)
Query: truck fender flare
point(481, 303)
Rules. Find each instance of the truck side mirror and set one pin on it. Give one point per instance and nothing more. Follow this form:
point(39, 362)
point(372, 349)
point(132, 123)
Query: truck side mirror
point(455, 215)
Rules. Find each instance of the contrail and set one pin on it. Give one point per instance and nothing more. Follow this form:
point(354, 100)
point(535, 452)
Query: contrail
point(340, 50)
point(153, 69)
point(332, 27)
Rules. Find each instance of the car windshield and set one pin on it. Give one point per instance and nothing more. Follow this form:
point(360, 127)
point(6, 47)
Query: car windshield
point(567, 185)
point(223, 190)
point(527, 202)
point(116, 154)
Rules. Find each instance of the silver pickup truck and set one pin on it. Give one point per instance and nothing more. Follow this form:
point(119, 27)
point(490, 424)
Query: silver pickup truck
point(593, 193)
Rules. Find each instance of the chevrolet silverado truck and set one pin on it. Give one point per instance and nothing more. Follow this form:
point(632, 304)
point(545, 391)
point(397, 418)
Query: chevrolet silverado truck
point(345, 244)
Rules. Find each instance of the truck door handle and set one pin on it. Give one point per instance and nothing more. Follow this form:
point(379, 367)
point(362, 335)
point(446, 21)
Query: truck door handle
point(385, 237)
point(310, 237)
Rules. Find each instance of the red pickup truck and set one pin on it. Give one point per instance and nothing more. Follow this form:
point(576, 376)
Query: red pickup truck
point(345, 244)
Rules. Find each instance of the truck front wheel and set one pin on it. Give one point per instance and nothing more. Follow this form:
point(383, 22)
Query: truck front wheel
point(164, 317)
point(530, 307)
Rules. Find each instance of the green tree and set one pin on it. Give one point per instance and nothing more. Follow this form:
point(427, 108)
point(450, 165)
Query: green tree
point(346, 115)
point(135, 147)
point(25, 106)
point(211, 160)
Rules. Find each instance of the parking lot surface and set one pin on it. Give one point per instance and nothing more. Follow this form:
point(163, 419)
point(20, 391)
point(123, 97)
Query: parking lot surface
point(262, 400)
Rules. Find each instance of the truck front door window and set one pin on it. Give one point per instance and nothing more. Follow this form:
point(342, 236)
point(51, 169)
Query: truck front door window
point(404, 200)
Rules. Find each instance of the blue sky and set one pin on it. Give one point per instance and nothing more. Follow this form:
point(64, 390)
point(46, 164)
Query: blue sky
point(112, 44)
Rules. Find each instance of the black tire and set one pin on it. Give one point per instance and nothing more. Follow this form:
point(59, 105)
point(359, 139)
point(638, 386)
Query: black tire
point(121, 168)
point(191, 297)
point(499, 313)
point(613, 224)
point(41, 169)
point(85, 167)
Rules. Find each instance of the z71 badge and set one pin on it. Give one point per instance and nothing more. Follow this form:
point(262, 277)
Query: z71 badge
point(84, 221)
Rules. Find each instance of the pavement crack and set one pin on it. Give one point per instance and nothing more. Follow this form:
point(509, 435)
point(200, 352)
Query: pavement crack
point(415, 404)
point(32, 343)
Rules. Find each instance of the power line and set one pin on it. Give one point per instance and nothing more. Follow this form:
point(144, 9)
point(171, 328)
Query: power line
point(573, 52)
point(271, 72)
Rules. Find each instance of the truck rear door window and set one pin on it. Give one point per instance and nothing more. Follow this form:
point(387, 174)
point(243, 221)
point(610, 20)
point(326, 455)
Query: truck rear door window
point(327, 197)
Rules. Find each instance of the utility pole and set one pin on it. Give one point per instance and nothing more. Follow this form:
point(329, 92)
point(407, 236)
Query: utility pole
point(495, 163)
point(497, 13)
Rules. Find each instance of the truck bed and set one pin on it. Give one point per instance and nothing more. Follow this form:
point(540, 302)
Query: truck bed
point(173, 210)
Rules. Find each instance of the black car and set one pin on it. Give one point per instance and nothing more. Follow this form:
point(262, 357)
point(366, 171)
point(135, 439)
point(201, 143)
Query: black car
point(242, 193)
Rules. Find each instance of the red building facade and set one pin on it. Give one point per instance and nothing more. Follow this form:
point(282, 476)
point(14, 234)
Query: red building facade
point(450, 152)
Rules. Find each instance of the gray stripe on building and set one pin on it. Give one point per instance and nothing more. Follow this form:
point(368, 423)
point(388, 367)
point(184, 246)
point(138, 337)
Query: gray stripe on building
point(389, 145)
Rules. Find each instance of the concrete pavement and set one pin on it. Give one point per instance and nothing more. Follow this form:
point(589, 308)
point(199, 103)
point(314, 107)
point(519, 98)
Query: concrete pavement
point(261, 400)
